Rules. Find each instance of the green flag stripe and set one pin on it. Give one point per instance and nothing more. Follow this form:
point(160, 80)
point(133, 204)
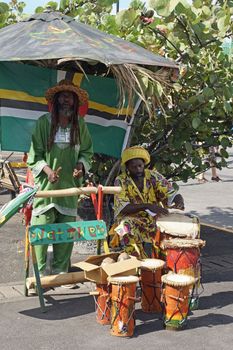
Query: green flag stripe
point(104, 143)
point(32, 80)
point(108, 88)
point(108, 93)
point(44, 78)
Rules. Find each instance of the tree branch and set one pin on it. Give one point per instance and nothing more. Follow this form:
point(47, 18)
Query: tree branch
point(186, 31)
point(156, 31)
point(214, 40)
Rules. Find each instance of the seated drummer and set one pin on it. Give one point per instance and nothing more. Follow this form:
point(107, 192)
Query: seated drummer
point(145, 196)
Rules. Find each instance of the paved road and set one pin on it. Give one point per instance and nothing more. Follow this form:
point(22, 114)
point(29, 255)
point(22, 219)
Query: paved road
point(70, 320)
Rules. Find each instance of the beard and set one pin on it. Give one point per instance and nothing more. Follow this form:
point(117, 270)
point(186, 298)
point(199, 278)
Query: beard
point(65, 111)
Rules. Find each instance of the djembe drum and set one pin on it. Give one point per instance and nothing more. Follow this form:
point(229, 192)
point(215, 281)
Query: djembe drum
point(177, 225)
point(123, 305)
point(102, 297)
point(183, 257)
point(176, 300)
point(151, 284)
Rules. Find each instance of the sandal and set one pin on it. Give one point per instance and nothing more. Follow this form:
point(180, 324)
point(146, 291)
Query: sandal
point(216, 179)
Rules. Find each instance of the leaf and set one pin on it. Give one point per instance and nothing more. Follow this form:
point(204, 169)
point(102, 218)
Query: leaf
point(163, 7)
point(223, 23)
point(196, 161)
point(177, 87)
point(188, 147)
point(227, 107)
point(197, 3)
point(39, 9)
point(126, 18)
point(225, 142)
point(208, 92)
point(196, 122)
point(206, 10)
point(213, 78)
point(175, 186)
point(106, 3)
point(224, 153)
point(64, 4)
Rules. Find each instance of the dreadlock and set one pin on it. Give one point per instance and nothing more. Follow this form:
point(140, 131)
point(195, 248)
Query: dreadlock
point(74, 130)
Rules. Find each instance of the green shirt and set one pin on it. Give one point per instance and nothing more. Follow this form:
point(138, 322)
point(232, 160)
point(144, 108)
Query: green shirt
point(60, 155)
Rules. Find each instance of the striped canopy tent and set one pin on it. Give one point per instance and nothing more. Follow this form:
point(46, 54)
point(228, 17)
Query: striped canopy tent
point(38, 52)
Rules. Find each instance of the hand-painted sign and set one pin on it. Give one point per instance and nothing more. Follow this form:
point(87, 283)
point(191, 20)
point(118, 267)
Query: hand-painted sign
point(67, 232)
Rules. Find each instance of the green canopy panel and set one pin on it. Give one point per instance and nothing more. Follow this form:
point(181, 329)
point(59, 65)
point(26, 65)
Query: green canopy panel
point(52, 35)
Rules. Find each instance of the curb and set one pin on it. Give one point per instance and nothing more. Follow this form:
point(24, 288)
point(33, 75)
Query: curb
point(220, 228)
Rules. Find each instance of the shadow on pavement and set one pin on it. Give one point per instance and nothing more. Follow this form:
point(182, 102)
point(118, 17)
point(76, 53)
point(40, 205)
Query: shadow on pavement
point(222, 217)
point(225, 276)
point(149, 322)
point(216, 300)
point(148, 327)
point(218, 242)
point(62, 308)
point(209, 320)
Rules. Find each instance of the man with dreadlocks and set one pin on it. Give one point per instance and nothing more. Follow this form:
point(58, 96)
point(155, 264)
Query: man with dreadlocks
point(59, 156)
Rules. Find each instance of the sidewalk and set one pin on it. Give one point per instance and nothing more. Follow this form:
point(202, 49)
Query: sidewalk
point(211, 201)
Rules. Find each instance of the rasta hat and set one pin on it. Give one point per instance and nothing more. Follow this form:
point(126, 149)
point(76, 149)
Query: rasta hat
point(67, 85)
point(133, 153)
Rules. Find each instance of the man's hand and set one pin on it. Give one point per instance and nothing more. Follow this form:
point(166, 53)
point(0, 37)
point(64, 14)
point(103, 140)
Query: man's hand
point(53, 175)
point(78, 171)
point(178, 202)
point(157, 209)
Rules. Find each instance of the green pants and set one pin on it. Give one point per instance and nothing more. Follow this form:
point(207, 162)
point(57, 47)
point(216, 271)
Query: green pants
point(61, 252)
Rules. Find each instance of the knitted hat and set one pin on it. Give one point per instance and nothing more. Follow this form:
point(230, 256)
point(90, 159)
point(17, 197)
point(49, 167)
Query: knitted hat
point(135, 152)
point(66, 85)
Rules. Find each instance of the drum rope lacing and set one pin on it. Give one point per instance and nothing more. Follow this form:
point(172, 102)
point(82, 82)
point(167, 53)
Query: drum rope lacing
point(107, 305)
point(119, 301)
point(178, 300)
point(153, 285)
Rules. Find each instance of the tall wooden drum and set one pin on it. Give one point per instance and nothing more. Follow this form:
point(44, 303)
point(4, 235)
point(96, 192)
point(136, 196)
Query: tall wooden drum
point(123, 305)
point(151, 270)
point(102, 297)
point(176, 300)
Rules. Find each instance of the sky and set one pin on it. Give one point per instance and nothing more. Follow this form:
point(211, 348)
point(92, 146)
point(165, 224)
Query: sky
point(31, 5)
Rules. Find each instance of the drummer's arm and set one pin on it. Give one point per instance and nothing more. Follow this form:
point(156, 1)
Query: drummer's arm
point(130, 209)
point(178, 202)
point(133, 208)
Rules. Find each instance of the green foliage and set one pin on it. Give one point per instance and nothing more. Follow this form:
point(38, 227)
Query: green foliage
point(39, 9)
point(200, 114)
point(53, 5)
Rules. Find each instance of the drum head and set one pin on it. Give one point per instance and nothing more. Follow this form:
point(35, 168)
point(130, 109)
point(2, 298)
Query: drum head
point(123, 279)
point(182, 243)
point(179, 225)
point(174, 279)
point(152, 264)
